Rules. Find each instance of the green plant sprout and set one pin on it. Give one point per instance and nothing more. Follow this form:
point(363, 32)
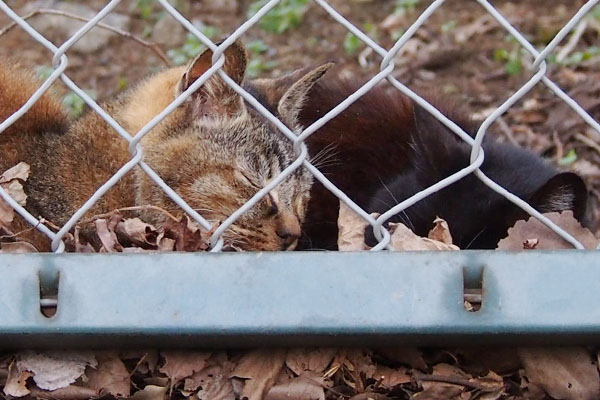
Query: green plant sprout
point(257, 64)
point(569, 159)
point(74, 104)
point(192, 46)
point(352, 43)
point(287, 14)
point(403, 6)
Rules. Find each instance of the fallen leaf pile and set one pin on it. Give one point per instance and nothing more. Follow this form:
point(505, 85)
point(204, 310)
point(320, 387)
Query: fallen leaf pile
point(132, 235)
point(299, 373)
point(305, 374)
point(532, 234)
point(352, 234)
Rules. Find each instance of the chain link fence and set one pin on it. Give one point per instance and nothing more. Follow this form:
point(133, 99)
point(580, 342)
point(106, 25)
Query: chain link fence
point(61, 60)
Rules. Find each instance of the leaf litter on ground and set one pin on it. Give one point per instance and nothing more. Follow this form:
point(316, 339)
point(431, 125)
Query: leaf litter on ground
point(308, 373)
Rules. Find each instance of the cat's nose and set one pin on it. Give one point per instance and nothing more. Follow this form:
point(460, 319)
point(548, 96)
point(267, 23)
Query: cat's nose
point(288, 229)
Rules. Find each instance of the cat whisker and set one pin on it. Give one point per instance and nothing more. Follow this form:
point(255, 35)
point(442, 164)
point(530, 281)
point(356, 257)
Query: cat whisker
point(475, 238)
point(326, 157)
point(404, 217)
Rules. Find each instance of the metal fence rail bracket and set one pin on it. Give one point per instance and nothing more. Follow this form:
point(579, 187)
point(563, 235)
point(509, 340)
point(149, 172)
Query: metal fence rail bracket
point(321, 298)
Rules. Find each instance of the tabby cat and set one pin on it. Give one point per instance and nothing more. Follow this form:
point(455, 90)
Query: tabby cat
point(213, 150)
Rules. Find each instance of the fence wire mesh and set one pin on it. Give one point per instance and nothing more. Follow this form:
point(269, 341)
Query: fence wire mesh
point(61, 61)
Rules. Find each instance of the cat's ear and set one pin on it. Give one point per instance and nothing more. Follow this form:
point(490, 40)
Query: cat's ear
point(293, 99)
point(564, 191)
point(215, 96)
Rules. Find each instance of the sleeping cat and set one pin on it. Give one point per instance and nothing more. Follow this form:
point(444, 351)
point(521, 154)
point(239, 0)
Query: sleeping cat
point(385, 148)
point(213, 150)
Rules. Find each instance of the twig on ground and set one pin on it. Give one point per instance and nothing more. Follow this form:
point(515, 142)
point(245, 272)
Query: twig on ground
point(326, 387)
point(560, 148)
point(138, 365)
point(134, 208)
point(587, 141)
point(453, 380)
point(152, 46)
point(507, 131)
point(573, 40)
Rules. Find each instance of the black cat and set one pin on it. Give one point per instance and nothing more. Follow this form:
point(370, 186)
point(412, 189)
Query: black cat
point(385, 148)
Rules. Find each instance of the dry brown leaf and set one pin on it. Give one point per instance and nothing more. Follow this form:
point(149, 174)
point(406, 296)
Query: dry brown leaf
point(17, 247)
point(16, 191)
point(7, 214)
point(530, 116)
point(110, 376)
point(563, 372)
point(393, 22)
point(440, 391)
point(303, 359)
point(358, 366)
point(107, 236)
point(200, 378)
point(73, 392)
point(260, 369)
point(151, 392)
point(437, 386)
point(182, 364)
point(369, 396)
point(213, 384)
point(351, 228)
point(531, 244)
point(138, 232)
point(217, 388)
point(480, 26)
point(20, 171)
point(55, 369)
point(520, 235)
point(308, 386)
point(403, 239)
point(391, 377)
point(165, 243)
point(187, 235)
point(16, 382)
point(9, 181)
point(440, 232)
point(146, 359)
point(492, 385)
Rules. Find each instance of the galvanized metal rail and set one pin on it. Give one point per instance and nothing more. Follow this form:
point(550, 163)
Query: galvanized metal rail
point(258, 299)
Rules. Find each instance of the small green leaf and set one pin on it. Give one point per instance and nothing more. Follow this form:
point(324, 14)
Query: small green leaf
point(395, 35)
point(192, 46)
point(122, 83)
point(75, 104)
point(257, 47)
point(500, 55)
point(596, 12)
point(514, 66)
point(569, 159)
point(449, 26)
point(406, 5)
point(257, 66)
point(44, 71)
point(287, 14)
point(352, 43)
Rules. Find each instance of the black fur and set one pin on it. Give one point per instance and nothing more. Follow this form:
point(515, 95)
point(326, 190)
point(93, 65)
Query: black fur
point(387, 149)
